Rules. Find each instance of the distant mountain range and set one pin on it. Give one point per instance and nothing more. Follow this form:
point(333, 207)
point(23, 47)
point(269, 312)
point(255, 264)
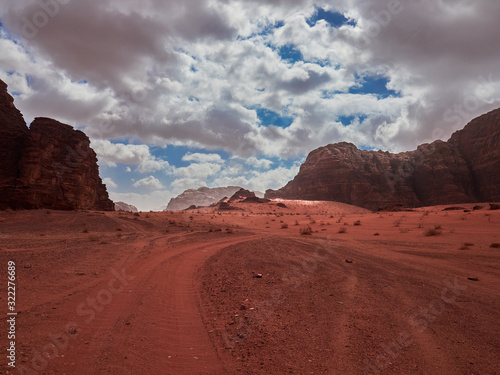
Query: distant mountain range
point(122, 206)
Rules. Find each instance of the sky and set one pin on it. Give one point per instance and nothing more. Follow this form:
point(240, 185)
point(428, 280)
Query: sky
point(182, 94)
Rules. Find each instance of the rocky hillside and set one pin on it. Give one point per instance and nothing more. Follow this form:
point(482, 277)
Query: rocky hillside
point(122, 206)
point(203, 196)
point(49, 165)
point(463, 169)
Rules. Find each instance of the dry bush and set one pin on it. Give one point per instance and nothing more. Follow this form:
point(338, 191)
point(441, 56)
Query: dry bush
point(85, 230)
point(376, 234)
point(296, 222)
point(306, 230)
point(495, 245)
point(229, 230)
point(432, 232)
point(357, 222)
point(284, 226)
point(342, 230)
point(438, 227)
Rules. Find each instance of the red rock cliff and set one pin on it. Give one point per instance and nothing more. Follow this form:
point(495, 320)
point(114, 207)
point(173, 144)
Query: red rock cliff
point(464, 169)
point(49, 165)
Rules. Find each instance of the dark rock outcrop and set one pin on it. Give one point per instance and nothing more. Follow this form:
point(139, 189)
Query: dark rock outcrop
point(241, 195)
point(49, 165)
point(201, 197)
point(463, 169)
point(122, 206)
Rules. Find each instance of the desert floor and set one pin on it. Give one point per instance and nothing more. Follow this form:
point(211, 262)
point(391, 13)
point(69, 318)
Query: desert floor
point(244, 292)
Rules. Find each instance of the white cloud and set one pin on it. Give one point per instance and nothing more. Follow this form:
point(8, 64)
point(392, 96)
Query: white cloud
point(110, 154)
point(150, 182)
point(110, 184)
point(198, 171)
point(202, 158)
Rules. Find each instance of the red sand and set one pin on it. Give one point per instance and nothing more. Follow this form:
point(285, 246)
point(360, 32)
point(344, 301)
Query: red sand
point(168, 293)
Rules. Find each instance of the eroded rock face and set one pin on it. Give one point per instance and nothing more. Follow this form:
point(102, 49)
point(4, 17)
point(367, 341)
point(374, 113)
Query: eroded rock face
point(203, 196)
point(49, 165)
point(13, 135)
point(464, 169)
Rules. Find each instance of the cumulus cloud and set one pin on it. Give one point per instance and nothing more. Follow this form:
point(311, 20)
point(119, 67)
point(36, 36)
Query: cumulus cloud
point(202, 158)
point(149, 182)
point(110, 154)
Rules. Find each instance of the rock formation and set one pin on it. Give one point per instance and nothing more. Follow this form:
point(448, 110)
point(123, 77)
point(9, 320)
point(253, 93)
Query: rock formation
point(203, 196)
point(122, 206)
point(49, 165)
point(463, 169)
point(246, 196)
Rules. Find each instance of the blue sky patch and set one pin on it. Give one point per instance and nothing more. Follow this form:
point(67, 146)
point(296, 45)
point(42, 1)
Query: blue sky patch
point(268, 118)
point(334, 19)
point(373, 85)
point(347, 120)
point(290, 53)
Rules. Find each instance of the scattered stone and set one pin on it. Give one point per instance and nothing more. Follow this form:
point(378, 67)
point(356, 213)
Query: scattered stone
point(348, 261)
point(473, 279)
point(258, 276)
point(494, 206)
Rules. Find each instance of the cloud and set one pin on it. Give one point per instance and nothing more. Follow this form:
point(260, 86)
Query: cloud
point(259, 163)
point(202, 158)
point(109, 154)
point(197, 171)
point(110, 184)
point(149, 182)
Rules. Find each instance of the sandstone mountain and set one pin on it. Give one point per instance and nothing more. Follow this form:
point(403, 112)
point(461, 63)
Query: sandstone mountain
point(49, 165)
point(122, 206)
point(203, 196)
point(463, 169)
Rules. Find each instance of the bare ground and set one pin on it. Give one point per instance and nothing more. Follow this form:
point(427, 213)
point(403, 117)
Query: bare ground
point(168, 293)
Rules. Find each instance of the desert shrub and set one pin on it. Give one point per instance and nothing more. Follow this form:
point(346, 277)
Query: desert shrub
point(437, 227)
point(85, 230)
point(464, 247)
point(397, 222)
point(306, 230)
point(495, 245)
point(119, 229)
point(342, 230)
point(432, 232)
point(284, 226)
point(136, 214)
point(229, 230)
point(376, 234)
point(296, 222)
point(357, 222)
